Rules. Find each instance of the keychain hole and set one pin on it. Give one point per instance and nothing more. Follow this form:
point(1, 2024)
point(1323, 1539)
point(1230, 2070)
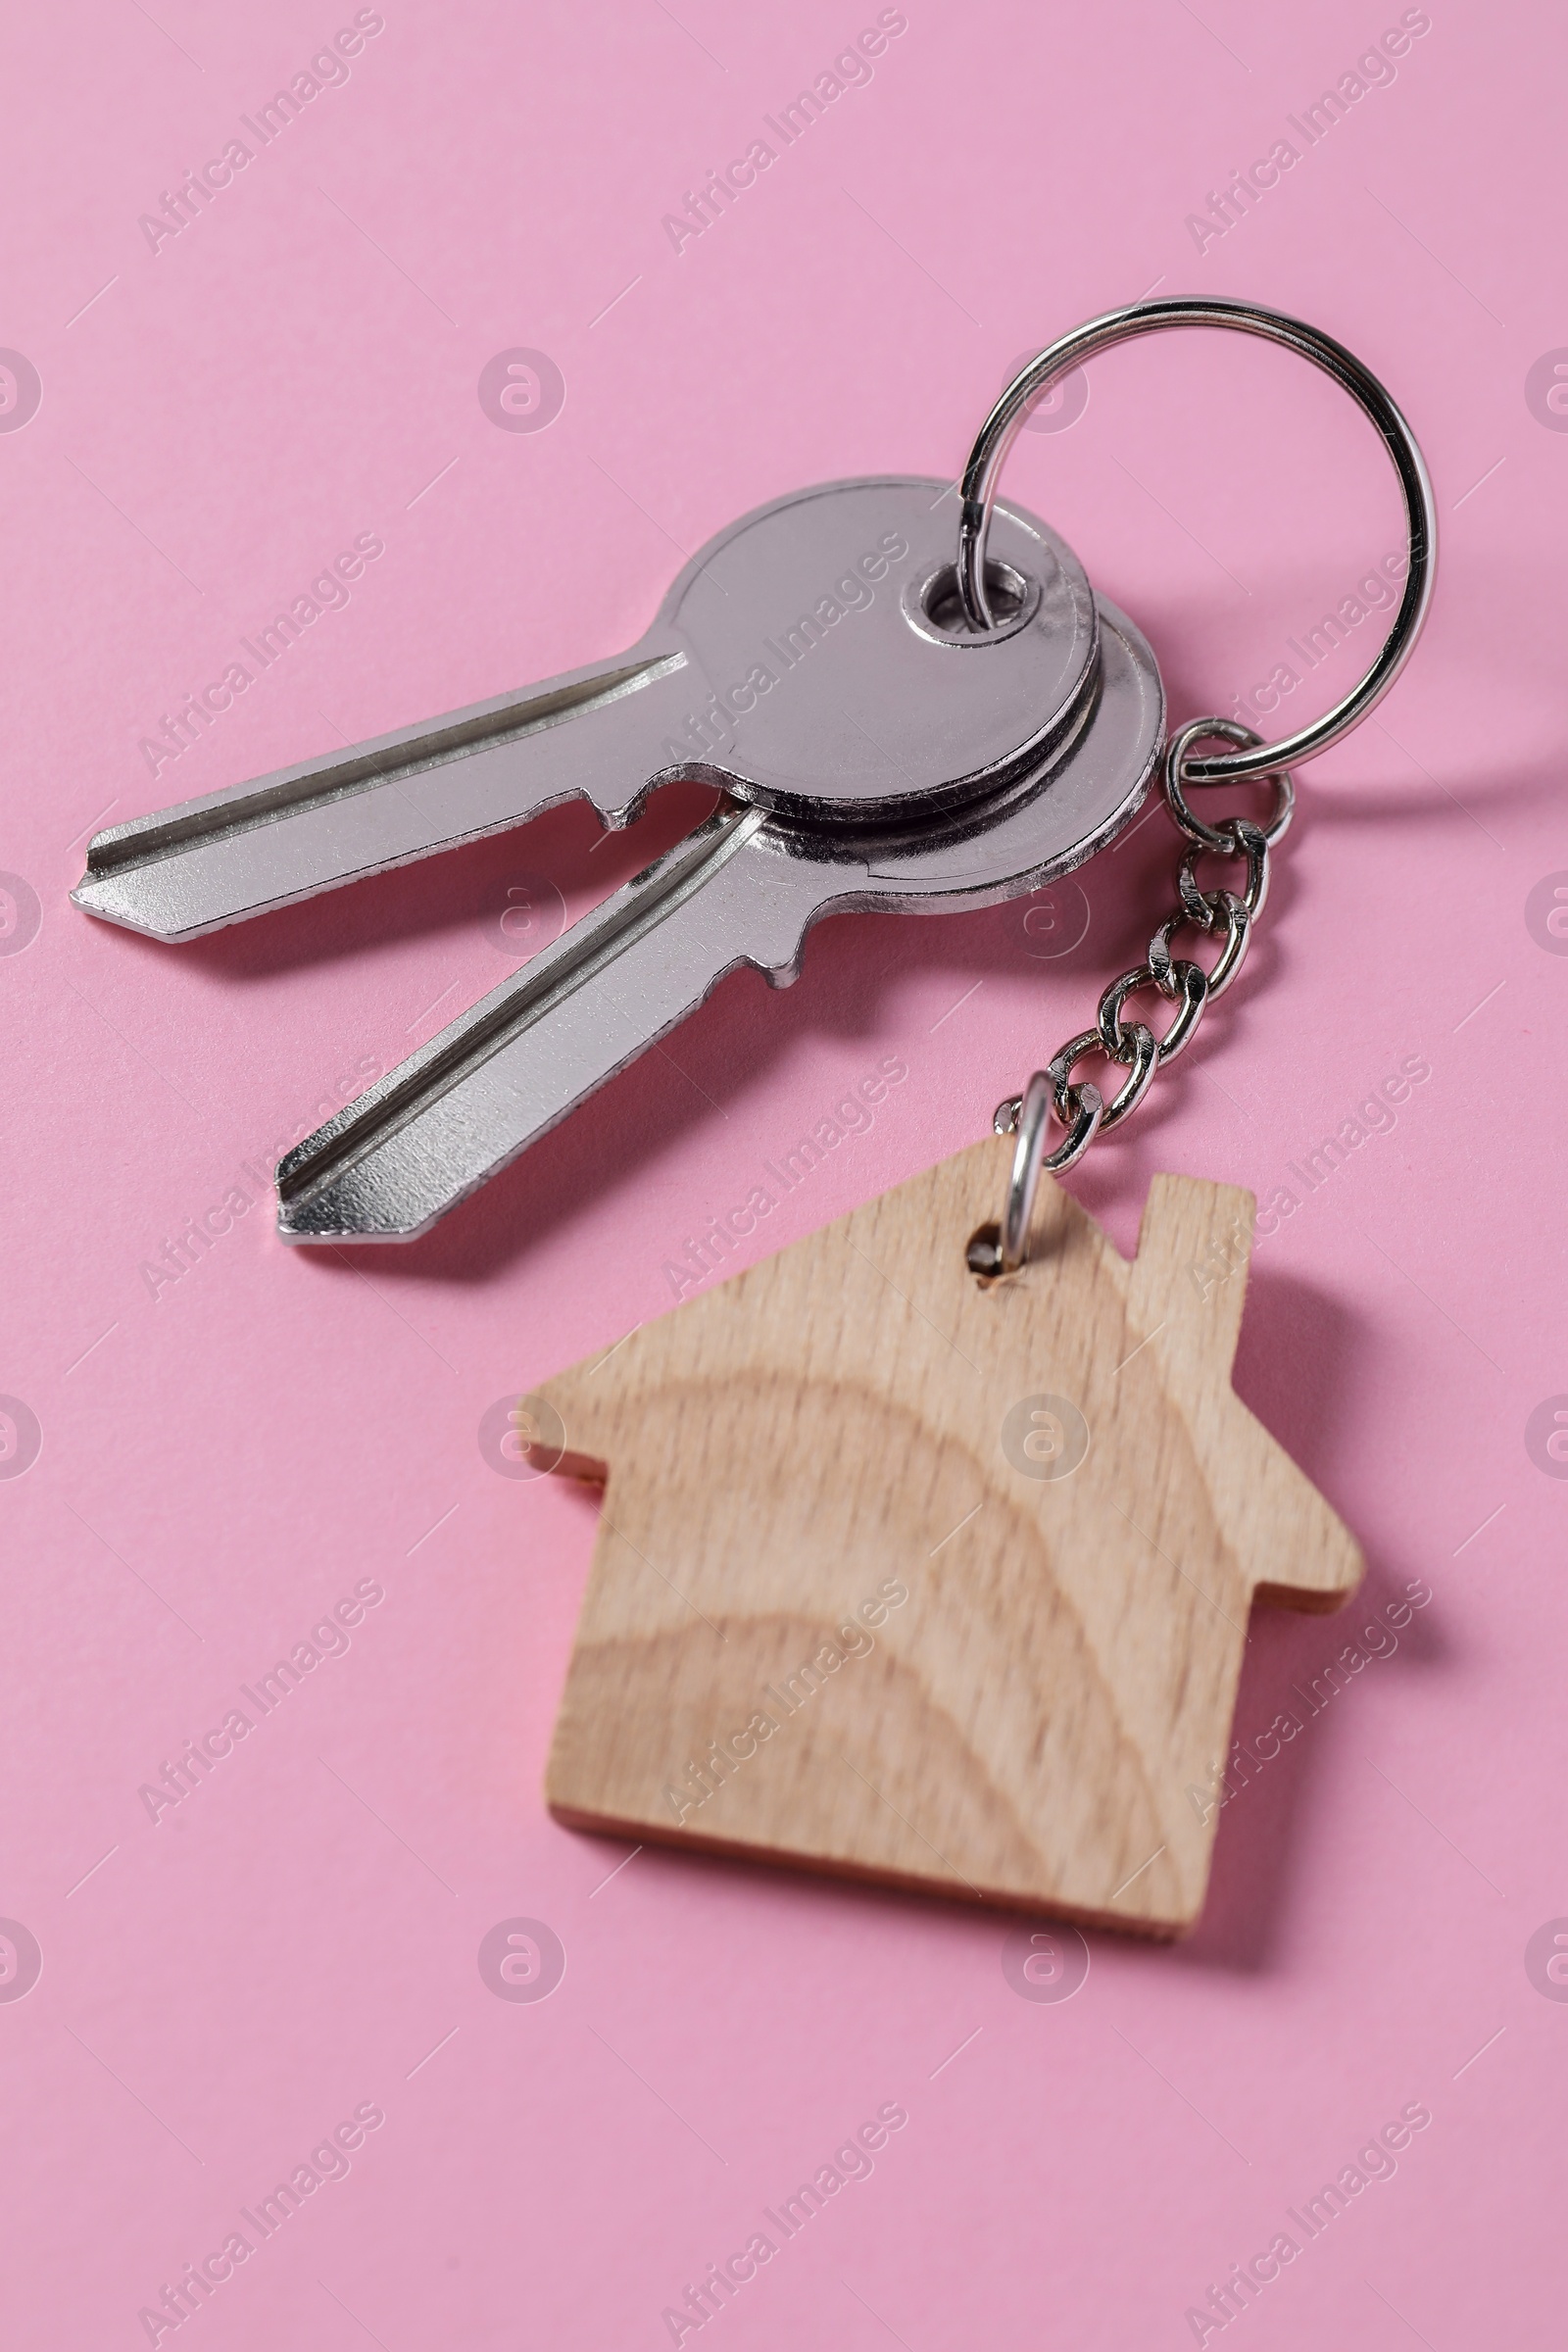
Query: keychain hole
point(934, 607)
point(983, 1255)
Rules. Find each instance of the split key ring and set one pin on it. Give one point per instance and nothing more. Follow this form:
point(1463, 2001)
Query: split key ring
point(996, 437)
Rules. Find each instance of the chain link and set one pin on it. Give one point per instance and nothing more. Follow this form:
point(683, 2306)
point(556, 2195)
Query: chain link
point(1217, 913)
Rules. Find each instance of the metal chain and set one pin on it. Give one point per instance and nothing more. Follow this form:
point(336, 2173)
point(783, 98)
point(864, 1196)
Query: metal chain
point(1079, 1105)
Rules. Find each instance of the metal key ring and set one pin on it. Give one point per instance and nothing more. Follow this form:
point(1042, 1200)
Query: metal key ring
point(1000, 429)
point(1025, 1118)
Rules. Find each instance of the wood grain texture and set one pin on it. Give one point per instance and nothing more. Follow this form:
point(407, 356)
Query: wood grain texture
point(789, 1452)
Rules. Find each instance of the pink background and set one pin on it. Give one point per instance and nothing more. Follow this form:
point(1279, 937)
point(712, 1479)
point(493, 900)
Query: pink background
point(224, 1459)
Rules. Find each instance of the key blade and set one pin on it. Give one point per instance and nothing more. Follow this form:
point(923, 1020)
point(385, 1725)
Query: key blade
point(193, 868)
point(745, 888)
point(518, 1063)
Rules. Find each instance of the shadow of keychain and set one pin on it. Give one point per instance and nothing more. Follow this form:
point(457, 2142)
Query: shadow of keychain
point(930, 1542)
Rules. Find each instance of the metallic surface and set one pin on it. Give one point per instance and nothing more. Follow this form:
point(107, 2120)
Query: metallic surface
point(1141, 1057)
point(1191, 983)
point(1024, 1178)
point(789, 666)
point(743, 889)
point(1023, 1114)
point(1249, 842)
point(1131, 1044)
point(1180, 767)
point(997, 435)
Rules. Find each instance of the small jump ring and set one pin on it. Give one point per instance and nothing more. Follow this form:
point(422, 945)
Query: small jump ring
point(996, 434)
point(1029, 1156)
point(1180, 772)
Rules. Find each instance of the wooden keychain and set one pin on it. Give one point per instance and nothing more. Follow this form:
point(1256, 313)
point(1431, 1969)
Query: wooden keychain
point(928, 1545)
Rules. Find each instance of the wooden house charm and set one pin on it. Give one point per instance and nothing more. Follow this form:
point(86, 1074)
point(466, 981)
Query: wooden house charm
point(934, 1582)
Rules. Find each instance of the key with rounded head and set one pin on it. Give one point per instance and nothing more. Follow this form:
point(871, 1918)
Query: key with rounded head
point(743, 889)
point(812, 659)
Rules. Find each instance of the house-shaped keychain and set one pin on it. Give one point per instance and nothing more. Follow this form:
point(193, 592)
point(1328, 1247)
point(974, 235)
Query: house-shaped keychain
point(930, 1581)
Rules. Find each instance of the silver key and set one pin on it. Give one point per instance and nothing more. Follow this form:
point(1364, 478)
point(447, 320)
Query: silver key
point(799, 663)
point(743, 889)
